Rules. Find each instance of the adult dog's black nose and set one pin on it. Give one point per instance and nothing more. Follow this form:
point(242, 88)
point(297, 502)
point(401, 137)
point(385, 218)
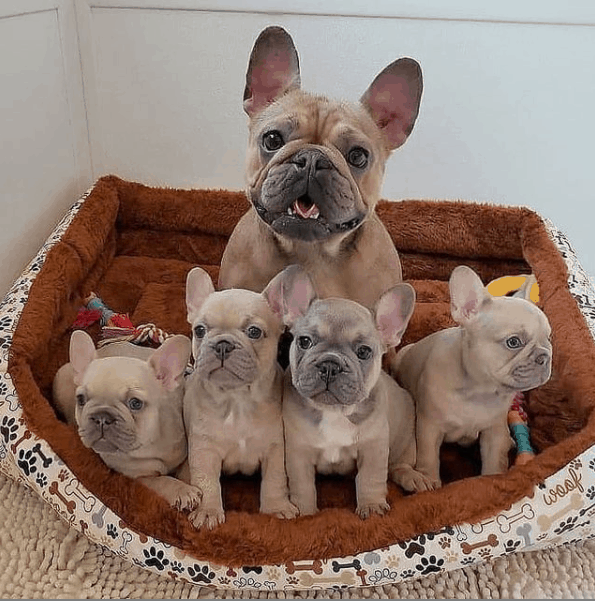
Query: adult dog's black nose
point(311, 159)
point(222, 349)
point(329, 370)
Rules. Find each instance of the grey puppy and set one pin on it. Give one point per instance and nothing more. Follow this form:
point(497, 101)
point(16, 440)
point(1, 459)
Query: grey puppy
point(232, 405)
point(127, 404)
point(314, 171)
point(341, 411)
point(463, 379)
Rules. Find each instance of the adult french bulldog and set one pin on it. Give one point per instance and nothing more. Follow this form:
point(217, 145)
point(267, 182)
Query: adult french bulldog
point(127, 404)
point(314, 172)
point(232, 404)
point(341, 411)
point(463, 379)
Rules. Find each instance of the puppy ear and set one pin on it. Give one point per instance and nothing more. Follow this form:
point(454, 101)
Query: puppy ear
point(169, 361)
point(393, 100)
point(273, 69)
point(467, 294)
point(198, 286)
point(290, 293)
point(529, 290)
point(82, 352)
point(393, 312)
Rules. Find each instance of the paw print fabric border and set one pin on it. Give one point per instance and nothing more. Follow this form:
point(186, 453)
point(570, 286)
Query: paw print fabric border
point(559, 510)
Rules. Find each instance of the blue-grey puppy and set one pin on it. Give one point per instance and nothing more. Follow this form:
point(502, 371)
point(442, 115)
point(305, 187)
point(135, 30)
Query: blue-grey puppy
point(342, 413)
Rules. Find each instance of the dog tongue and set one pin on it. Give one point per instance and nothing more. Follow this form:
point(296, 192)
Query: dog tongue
point(305, 210)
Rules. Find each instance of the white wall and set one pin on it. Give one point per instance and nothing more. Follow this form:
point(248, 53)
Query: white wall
point(44, 149)
point(507, 114)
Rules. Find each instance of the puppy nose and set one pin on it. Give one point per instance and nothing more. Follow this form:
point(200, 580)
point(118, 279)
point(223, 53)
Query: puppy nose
point(329, 370)
point(222, 349)
point(542, 359)
point(102, 419)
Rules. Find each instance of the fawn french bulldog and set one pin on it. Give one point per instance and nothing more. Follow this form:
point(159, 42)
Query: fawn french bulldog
point(314, 171)
point(127, 404)
point(464, 378)
point(341, 411)
point(232, 405)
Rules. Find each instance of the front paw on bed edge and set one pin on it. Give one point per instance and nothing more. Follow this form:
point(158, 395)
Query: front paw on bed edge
point(283, 509)
point(370, 509)
point(207, 516)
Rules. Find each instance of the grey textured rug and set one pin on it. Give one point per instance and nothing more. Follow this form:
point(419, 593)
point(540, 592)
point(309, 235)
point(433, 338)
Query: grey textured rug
point(42, 558)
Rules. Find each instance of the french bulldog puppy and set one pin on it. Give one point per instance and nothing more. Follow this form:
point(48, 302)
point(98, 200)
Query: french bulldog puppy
point(463, 379)
point(340, 410)
point(314, 171)
point(232, 404)
point(127, 404)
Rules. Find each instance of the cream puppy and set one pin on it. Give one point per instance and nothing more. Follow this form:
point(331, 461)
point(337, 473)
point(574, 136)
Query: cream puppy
point(341, 412)
point(464, 378)
point(232, 405)
point(127, 404)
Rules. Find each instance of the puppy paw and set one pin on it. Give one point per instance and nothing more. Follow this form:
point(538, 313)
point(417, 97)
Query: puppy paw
point(370, 509)
point(412, 480)
point(187, 498)
point(282, 509)
point(207, 516)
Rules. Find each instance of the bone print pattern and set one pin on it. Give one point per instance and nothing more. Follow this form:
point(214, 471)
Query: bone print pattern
point(561, 509)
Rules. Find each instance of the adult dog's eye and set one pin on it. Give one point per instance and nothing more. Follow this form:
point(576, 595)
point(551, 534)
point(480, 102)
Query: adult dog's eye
point(135, 404)
point(514, 343)
point(364, 352)
point(304, 342)
point(254, 332)
point(200, 331)
point(358, 157)
point(272, 140)
point(80, 400)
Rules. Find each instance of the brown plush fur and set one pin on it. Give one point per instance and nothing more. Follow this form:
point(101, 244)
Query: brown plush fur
point(116, 248)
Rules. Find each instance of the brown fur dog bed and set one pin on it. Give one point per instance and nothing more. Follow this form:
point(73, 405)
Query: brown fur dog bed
point(133, 245)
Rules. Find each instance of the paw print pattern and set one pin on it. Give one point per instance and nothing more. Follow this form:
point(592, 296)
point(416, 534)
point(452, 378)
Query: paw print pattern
point(566, 525)
point(176, 566)
point(5, 322)
point(292, 580)
point(407, 573)
point(155, 559)
point(199, 574)
point(485, 553)
point(576, 464)
point(3, 388)
point(430, 564)
point(591, 493)
point(444, 542)
point(111, 531)
point(41, 480)
point(511, 545)
point(8, 429)
point(592, 464)
point(27, 461)
point(467, 560)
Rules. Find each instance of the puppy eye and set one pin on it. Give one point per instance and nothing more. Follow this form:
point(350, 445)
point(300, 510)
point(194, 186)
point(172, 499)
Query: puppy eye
point(364, 352)
point(304, 342)
point(200, 331)
point(254, 332)
point(358, 157)
point(80, 400)
point(135, 404)
point(514, 342)
point(272, 140)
